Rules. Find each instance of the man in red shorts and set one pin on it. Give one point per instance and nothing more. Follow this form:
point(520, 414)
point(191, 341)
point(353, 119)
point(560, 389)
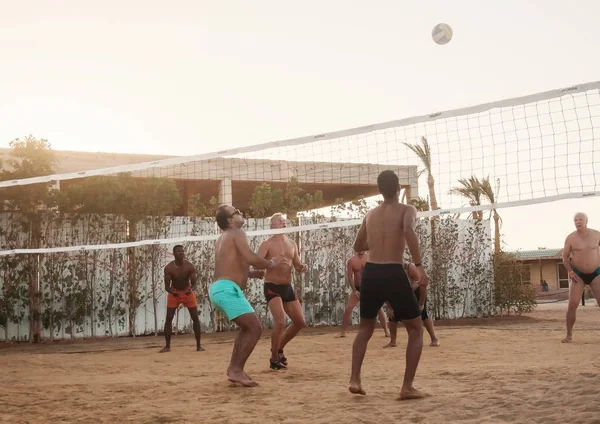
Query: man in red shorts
point(180, 282)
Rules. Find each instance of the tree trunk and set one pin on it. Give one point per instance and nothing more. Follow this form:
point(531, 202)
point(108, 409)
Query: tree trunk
point(432, 197)
point(92, 279)
point(52, 283)
point(434, 261)
point(154, 285)
point(496, 232)
point(110, 300)
point(132, 278)
point(34, 293)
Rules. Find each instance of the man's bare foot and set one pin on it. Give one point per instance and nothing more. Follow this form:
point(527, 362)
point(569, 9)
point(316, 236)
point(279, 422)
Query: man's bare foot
point(340, 336)
point(390, 344)
point(241, 378)
point(567, 339)
point(411, 393)
point(199, 349)
point(434, 343)
point(386, 335)
point(165, 349)
point(355, 388)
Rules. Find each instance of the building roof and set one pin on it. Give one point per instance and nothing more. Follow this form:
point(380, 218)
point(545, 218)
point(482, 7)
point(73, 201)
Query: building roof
point(528, 255)
point(335, 180)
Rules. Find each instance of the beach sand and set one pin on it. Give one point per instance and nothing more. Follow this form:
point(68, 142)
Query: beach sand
point(512, 369)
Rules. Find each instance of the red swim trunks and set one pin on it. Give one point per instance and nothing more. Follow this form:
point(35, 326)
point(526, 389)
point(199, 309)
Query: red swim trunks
point(188, 300)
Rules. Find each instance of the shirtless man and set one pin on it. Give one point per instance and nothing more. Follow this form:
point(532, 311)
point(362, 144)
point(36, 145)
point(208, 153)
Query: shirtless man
point(583, 266)
point(421, 295)
point(354, 269)
point(180, 283)
point(279, 292)
point(232, 259)
point(384, 232)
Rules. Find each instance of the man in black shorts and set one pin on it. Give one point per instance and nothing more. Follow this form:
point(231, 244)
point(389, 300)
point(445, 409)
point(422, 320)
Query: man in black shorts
point(354, 269)
point(279, 293)
point(385, 231)
point(421, 295)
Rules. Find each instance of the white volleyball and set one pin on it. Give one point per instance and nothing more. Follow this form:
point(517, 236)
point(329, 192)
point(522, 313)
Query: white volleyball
point(441, 33)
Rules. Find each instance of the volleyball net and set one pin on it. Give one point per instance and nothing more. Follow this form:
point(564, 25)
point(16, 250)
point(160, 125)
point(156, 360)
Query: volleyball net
point(538, 148)
point(83, 252)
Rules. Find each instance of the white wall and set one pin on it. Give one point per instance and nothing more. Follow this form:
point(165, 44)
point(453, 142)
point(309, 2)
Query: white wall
point(323, 289)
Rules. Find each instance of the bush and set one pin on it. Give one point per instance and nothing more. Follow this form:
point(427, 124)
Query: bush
point(510, 293)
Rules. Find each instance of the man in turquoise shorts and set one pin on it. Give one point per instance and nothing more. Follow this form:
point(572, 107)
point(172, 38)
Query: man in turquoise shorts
point(232, 259)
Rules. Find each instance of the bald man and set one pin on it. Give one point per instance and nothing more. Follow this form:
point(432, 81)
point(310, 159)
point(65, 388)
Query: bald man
point(279, 293)
point(581, 258)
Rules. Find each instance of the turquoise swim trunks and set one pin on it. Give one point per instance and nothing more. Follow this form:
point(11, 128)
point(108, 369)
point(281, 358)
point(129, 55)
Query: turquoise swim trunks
point(227, 296)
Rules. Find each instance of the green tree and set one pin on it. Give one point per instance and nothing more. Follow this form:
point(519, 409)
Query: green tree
point(423, 152)
point(28, 158)
point(490, 195)
point(146, 201)
point(197, 207)
point(422, 205)
point(266, 200)
point(470, 189)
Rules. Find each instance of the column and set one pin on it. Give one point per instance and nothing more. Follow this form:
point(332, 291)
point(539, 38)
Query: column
point(225, 192)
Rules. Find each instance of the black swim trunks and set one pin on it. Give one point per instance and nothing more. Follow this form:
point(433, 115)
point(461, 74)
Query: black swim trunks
point(284, 291)
point(387, 283)
point(589, 277)
point(424, 314)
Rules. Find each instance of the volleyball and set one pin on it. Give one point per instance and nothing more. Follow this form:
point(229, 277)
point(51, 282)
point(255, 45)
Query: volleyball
point(441, 34)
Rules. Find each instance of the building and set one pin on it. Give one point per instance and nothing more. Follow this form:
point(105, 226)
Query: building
point(545, 264)
point(233, 180)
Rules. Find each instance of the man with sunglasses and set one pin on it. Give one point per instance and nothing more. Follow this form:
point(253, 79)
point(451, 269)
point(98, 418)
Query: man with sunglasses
point(232, 259)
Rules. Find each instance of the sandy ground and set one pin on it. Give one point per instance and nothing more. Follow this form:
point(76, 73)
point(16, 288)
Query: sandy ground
point(485, 371)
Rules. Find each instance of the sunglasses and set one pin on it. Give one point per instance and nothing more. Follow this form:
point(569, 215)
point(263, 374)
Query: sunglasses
point(235, 212)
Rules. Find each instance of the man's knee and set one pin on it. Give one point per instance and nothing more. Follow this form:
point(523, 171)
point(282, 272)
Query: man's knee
point(278, 324)
point(414, 327)
point(300, 323)
point(170, 314)
point(255, 329)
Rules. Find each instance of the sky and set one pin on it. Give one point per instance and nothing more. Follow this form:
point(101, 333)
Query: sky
point(142, 77)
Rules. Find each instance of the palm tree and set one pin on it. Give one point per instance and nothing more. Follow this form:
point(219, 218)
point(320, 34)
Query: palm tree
point(424, 154)
point(470, 188)
point(488, 192)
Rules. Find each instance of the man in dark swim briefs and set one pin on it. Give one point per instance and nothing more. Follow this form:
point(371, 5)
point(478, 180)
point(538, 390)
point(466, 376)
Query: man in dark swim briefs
point(581, 258)
point(278, 290)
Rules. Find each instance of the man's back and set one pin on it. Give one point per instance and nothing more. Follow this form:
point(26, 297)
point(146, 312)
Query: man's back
point(229, 263)
point(385, 233)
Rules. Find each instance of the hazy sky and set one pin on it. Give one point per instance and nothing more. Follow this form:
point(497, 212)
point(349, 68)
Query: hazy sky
point(140, 76)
